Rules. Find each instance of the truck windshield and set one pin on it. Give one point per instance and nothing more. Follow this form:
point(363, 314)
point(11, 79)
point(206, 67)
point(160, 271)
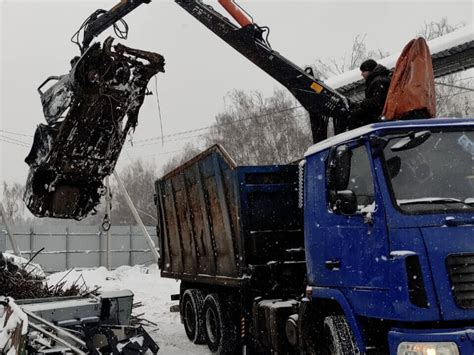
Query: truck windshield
point(432, 175)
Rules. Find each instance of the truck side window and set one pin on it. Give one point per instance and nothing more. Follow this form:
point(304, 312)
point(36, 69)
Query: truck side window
point(361, 181)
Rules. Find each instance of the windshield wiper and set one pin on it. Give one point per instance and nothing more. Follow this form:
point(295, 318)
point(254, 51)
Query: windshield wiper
point(433, 200)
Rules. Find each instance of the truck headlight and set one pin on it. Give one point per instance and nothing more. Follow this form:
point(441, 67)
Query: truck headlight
point(409, 348)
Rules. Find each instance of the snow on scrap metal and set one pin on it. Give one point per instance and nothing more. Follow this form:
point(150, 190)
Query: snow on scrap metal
point(89, 113)
point(13, 327)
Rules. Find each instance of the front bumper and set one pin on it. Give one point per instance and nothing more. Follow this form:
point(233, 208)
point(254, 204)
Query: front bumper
point(464, 338)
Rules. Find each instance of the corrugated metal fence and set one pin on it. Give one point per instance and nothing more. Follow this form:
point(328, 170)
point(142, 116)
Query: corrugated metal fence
point(80, 246)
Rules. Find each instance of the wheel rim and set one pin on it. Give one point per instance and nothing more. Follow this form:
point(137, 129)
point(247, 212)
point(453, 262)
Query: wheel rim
point(189, 317)
point(211, 325)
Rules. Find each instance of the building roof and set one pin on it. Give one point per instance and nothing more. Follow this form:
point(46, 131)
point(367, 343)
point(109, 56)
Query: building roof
point(451, 53)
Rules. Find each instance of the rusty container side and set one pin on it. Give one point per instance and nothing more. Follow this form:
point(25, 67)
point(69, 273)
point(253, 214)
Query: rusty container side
point(198, 223)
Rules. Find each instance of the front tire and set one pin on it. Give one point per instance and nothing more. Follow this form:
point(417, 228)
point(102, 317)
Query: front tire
point(191, 312)
point(338, 337)
point(220, 327)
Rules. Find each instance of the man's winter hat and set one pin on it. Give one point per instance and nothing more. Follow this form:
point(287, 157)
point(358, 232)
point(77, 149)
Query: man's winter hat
point(368, 65)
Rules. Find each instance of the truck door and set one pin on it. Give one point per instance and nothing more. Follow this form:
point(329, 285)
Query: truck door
point(350, 246)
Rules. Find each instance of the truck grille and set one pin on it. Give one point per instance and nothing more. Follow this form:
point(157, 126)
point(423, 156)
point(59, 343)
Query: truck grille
point(461, 273)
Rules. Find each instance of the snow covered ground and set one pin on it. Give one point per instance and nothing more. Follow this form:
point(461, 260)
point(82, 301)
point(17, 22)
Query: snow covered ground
point(154, 292)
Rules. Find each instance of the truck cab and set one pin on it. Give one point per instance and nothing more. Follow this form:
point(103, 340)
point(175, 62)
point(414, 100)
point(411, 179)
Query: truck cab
point(389, 228)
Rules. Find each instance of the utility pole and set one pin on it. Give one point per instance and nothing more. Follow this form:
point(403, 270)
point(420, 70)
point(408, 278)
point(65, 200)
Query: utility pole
point(139, 221)
point(16, 250)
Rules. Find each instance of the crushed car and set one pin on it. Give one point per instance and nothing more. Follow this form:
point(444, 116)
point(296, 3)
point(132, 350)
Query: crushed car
point(88, 113)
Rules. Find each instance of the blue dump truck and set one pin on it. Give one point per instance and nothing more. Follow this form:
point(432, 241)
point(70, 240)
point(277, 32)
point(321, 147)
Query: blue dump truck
point(365, 246)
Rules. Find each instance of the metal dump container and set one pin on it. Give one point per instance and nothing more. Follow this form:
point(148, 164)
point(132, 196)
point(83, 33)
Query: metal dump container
point(218, 223)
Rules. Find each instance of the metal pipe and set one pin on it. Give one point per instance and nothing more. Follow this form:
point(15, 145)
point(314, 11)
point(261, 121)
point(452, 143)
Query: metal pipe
point(139, 221)
point(56, 328)
point(56, 338)
point(16, 250)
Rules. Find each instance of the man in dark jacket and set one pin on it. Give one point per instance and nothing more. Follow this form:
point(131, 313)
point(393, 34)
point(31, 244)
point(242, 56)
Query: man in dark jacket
point(377, 82)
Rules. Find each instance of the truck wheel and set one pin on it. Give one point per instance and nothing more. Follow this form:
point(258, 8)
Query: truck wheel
point(220, 328)
point(338, 337)
point(191, 311)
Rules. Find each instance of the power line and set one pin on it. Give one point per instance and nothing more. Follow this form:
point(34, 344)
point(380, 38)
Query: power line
point(454, 86)
point(10, 142)
point(16, 134)
point(199, 135)
point(159, 109)
point(217, 125)
point(463, 79)
point(456, 94)
point(15, 140)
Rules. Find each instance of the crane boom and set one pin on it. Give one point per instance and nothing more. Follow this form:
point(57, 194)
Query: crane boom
point(321, 101)
point(318, 99)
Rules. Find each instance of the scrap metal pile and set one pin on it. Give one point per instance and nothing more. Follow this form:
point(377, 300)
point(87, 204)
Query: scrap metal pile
point(37, 319)
point(89, 113)
point(21, 279)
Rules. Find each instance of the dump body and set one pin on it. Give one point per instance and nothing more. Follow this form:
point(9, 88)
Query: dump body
point(228, 225)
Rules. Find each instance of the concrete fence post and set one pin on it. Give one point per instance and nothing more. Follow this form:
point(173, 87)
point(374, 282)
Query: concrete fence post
point(67, 248)
point(130, 246)
point(32, 242)
point(101, 248)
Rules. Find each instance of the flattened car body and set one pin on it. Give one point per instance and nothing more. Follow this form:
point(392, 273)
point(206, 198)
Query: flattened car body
point(71, 155)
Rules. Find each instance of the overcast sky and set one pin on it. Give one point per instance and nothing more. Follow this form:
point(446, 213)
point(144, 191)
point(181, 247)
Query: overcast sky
point(200, 69)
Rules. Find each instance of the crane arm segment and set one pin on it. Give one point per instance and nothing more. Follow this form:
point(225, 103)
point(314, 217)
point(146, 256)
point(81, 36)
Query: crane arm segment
point(321, 101)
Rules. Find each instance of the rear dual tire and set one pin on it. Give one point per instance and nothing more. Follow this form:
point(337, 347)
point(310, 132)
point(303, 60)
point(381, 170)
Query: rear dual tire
point(191, 310)
point(220, 324)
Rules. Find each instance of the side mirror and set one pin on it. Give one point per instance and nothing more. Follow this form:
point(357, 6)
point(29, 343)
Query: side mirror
point(346, 202)
point(339, 169)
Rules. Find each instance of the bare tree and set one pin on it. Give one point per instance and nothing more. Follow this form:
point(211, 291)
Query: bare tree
point(451, 99)
point(323, 69)
point(435, 29)
point(190, 150)
point(138, 178)
point(258, 130)
point(13, 201)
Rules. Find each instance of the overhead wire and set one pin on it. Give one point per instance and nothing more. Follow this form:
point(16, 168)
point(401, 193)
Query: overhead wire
point(159, 110)
point(200, 135)
point(217, 125)
point(15, 140)
point(463, 79)
point(16, 133)
point(454, 86)
point(10, 142)
point(455, 94)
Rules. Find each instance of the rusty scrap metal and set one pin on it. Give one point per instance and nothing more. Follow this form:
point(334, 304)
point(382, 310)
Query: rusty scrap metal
point(101, 98)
